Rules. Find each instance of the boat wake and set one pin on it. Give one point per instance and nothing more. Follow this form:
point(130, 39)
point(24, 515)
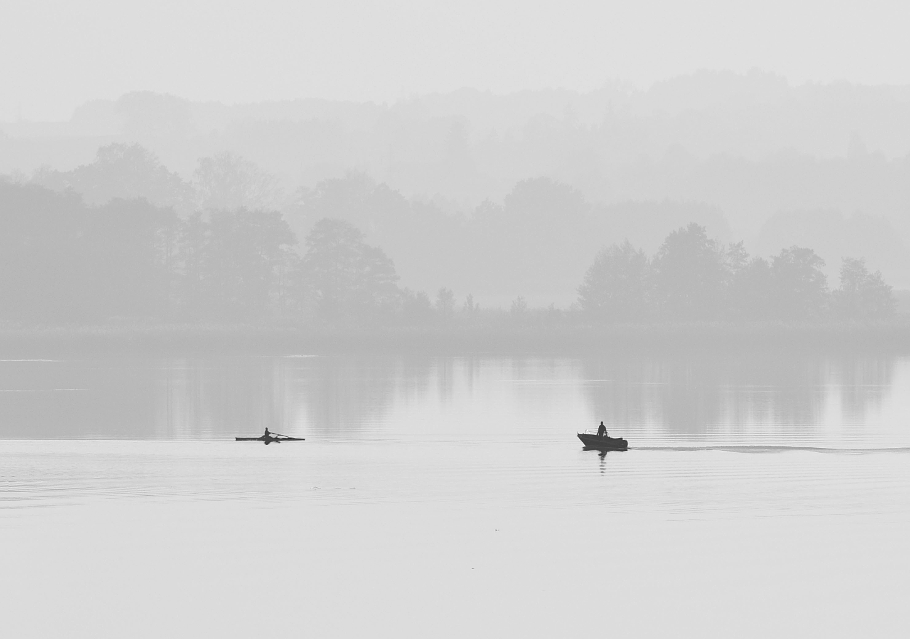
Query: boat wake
point(763, 448)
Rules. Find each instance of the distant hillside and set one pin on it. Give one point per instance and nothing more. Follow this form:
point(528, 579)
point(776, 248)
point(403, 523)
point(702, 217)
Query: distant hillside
point(752, 147)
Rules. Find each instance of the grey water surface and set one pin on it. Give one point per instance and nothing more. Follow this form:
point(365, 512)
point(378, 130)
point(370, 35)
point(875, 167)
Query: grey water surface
point(788, 401)
point(431, 485)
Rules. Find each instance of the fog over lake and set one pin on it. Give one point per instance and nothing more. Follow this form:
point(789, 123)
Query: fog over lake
point(307, 308)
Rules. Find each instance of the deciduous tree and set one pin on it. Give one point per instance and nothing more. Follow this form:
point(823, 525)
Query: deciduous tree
point(615, 287)
point(346, 278)
point(688, 275)
point(862, 295)
point(800, 286)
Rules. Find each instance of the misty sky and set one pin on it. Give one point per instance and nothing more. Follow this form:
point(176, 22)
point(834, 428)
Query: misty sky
point(56, 54)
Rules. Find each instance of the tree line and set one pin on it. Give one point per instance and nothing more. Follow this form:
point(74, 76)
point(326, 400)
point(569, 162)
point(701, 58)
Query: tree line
point(538, 240)
point(693, 277)
point(64, 261)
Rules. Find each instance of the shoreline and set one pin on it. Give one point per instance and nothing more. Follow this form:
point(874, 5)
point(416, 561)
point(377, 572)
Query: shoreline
point(891, 337)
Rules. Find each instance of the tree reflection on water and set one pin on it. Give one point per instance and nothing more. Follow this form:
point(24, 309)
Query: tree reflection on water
point(736, 394)
point(692, 397)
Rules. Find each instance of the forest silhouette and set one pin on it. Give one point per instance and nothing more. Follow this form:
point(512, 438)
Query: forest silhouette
point(124, 239)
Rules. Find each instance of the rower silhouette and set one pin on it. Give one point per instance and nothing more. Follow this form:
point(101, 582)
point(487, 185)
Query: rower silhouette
point(601, 430)
point(269, 437)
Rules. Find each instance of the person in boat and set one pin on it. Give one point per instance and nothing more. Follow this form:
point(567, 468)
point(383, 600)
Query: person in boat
point(601, 430)
point(267, 433)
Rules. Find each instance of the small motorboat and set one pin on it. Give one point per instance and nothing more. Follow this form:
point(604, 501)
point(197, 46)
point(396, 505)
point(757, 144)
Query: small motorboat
point(269, 438)
point(591, 440)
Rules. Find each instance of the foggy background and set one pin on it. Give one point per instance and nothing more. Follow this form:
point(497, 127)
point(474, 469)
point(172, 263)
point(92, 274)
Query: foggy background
point(436, 241)
point(488, 149)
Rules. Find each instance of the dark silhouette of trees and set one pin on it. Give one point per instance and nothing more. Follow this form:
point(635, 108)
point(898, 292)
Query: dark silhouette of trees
point(153, 116)
point(375, 284)
point(126, 260)
point(244, 258)
point(615, 287)
point(543, 201)
point(39, 234)
point(693, 278)
point(344, 278)
point(428, 244)
point(800, 286)
point(354, 198)
point(65, 262)
point(125, 171)
point(688, 275)
point(538, 240)
point(862, 295)
point(751, 292)
point(470, 307)
point(416, 308)
point(519, 309)
point(227, 181)
point(62, 261)
point(445, 304)
point(529, 243)
point(235, 265)
point(191, 247)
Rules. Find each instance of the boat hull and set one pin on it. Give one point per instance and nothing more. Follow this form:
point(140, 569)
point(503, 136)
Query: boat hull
point(269, 440)
point(603, 443)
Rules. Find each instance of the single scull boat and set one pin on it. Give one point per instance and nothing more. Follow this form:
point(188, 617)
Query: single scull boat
point(268, 438)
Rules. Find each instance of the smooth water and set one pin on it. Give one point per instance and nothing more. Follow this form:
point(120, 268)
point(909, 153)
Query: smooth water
point(761, 496)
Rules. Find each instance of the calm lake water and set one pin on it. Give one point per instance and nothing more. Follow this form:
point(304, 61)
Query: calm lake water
point(761, 496)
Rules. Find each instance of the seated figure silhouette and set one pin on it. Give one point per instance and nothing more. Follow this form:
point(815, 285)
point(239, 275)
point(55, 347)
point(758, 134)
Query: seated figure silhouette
point(601, 430)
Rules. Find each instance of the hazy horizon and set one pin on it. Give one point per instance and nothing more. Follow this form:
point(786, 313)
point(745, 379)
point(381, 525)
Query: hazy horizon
point(626, 88)
point(245, 52)
point(749, 156)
